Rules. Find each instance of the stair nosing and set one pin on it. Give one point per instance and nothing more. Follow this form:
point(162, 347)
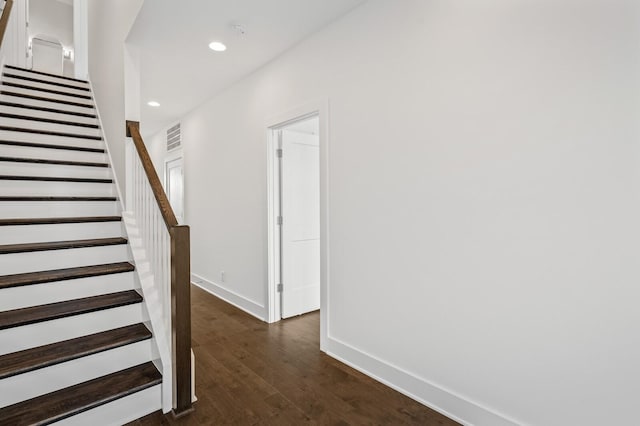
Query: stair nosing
point(54, 162)
point(49, 133)
point(45, 99)
point(58, 220)
point(48, 198)
point(137, 335)
point(66, 274)
point(41, 81)
point(45, 109)
point(61, 245)
point(149, 376)
point(49, 120)
point(128, 298)
point(13, 67)
point(55, 179)
point(52, 146)
point(41, 89)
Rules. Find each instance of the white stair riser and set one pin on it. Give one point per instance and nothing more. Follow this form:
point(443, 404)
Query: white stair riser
point(44, 188)
point(32, 92)
point(43, 333)
point(45, 77)
point(51, 154)
point(45, 104)
point(45, 85)
point(59, 291)
point(50, 140)
point(53, 170)
point(59, 232)
point(30, 385)
point(121, 411)
point(50, 127)
point(37, 209)
point(48, 115)
point(19, 263)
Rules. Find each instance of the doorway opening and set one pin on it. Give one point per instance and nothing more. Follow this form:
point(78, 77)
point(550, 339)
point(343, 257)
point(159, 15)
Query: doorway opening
point(297, 216)
point(50, 31)
point(298, 221)
point(174, 186)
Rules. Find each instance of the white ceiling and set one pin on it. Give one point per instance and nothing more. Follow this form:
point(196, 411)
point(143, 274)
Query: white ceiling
point(181, 72)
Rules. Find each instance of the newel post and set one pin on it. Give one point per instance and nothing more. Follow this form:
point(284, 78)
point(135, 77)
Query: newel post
point(181, 317)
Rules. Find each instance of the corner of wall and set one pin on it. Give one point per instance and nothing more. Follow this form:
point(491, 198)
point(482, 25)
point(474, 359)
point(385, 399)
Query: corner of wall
point(240, 302)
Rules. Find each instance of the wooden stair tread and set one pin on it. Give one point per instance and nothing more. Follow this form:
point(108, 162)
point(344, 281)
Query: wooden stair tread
point(53, 311)
point(48, 120)
point(39, 80)
point(41, 277)
point(52, 198)
point(76, 399)
point(13, 67)
point(51, 146)
point(55, 162)
point(60, 245)
point(42, 89)
point(45, 109)
point(56, 353)
point(49, 133)
point(55, 179)
point(45, 99)
point(58, 220)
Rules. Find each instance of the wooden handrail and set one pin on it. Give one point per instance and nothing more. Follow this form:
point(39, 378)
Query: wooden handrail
point(180, 279)
point(133, 131)
point(4, 19)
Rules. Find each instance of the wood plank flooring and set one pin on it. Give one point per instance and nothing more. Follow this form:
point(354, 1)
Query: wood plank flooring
point(252, 373)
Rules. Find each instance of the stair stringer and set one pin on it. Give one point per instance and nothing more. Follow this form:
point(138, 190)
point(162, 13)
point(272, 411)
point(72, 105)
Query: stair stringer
point(153, 303)
point(161, 349)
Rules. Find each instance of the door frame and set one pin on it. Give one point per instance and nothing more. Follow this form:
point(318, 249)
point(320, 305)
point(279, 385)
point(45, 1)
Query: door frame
point(318, 108)
point(171, 157)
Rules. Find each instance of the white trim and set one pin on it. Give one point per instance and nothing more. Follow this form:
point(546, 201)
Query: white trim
point(121, 200)
point(321, 109)
point(273, 248)
point(170, 159)
point(427, 393)
point(81, 39)
point(152, 302)
point(240, 302)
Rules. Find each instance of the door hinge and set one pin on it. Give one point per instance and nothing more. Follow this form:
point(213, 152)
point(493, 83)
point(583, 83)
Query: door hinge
point(279, 153)
point(280, 288)
point(279, 220)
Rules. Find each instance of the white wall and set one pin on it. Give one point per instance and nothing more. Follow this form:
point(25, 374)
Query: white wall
point(109, 25)
point(14, 43)
point(484, 195)
point(55, 20)
point(52, 18)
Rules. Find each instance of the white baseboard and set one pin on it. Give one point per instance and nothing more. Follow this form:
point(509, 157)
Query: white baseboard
point(229, 296)
point(433, 396)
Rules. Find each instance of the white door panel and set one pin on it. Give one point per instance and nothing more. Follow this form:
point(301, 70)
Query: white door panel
point(301, 223)
point(175, 187)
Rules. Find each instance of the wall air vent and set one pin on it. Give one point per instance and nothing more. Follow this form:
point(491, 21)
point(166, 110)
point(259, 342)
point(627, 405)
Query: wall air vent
point(174, 140)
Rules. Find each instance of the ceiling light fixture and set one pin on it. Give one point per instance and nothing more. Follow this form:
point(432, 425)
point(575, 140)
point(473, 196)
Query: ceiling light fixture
point(217, 46)
point(153, 104)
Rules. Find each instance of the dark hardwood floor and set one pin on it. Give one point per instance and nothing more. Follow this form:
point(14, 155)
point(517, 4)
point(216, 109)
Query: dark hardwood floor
point(252, 373)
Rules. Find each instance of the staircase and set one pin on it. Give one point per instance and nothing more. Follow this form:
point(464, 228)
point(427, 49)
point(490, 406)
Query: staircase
point(74, 347)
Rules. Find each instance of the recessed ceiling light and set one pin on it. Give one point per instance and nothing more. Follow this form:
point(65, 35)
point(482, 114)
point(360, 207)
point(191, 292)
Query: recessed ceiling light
point(217, 46)
point(153, 103)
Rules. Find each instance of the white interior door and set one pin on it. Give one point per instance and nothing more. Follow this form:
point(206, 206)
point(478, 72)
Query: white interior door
point(174, 179)
point(301, 223)
point(47, 56)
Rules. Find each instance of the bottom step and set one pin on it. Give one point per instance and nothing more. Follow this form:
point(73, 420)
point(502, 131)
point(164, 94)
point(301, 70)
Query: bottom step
point(80, 398)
